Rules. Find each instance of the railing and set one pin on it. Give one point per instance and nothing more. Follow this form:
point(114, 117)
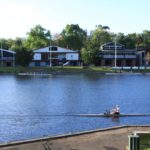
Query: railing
point(6, 58)
point(119, 56)
point(55, 57)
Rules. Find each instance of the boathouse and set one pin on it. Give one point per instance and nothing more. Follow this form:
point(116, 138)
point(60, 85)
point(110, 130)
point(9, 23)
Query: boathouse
point(55, 56)
point(7, 58)
point(111, 52)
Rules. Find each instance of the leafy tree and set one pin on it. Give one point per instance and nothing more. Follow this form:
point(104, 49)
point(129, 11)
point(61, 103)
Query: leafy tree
point(100, 36)
point(10, 43)
point(120, 37)
point(102, 27)
point(73, 37)
point(17, 43)
point(57, 40)
point(130, 41)
point(38, 37)
point(85, 55)
point(94, 42)
point(146, 39)
point(139, 41)
point(4, 44)
point(23, 56)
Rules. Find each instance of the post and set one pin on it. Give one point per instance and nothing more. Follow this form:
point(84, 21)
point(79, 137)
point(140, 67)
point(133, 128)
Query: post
point(115, 53)
point(1, 55)
point(13, 60)
point(50, 57)
point(50, 50)
point(134, 142)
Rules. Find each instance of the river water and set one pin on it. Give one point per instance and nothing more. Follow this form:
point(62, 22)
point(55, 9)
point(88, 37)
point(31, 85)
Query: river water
point(29, 105)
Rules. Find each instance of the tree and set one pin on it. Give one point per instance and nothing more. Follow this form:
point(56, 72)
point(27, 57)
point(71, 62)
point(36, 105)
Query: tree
point(130, 41)
point(23, 56)
point(38, 37)
point(73, 37)
point(85, 55)
point(102, 27)
point(17, 43)
point(98, 37)
point(4, 44)
point(146, 39)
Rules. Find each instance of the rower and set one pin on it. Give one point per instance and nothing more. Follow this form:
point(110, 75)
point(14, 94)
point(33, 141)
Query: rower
point(115, 110)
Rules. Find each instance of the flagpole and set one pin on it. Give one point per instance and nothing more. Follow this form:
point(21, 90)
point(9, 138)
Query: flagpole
point(115, 51)
point(50, 55)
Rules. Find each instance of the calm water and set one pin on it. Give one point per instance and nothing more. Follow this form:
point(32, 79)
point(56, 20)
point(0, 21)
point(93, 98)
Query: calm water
point(28, 105)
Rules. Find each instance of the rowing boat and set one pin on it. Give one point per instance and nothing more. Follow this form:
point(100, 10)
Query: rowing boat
point(110, 115)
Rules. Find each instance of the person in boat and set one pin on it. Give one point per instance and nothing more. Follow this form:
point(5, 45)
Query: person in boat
point(115, 110)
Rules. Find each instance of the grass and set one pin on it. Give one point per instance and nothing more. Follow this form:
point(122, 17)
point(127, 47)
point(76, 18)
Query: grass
point(145, 141)
point(66, 69)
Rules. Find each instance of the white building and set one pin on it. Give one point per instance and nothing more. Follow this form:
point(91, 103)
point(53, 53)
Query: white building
point(55, 56)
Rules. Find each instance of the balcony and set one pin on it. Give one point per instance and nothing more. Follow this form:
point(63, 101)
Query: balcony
point(130, 56)
point(53, 57)
point(119, 56)
point(7, 58)
point(113, 56)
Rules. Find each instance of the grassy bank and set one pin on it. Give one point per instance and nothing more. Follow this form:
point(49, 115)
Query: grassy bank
point(66, 69)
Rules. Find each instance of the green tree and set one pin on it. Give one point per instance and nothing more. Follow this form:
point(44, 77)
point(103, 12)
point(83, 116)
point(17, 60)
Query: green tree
point(130, 41)
point(85, 56)
point(38, 37)
point(17, 43)
point(4, 44)
point(146, 39)
point(23, 56)
point(94, 42)
point(73, 37)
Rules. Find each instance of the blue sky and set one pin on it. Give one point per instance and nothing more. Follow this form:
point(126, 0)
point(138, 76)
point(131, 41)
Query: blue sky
point(126, 16)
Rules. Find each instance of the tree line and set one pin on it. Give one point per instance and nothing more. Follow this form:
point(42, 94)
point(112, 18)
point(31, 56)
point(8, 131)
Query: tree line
point(73, 37)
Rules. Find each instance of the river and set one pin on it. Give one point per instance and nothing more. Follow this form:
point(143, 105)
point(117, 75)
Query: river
point(30, 105)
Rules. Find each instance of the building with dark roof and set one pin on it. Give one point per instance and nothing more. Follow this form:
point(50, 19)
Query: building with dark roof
point(7, 58)
point(112, 53)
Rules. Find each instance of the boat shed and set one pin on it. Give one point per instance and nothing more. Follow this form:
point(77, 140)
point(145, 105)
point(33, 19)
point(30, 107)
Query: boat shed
point(7, 58)
point(55, 56)
point(124, 57)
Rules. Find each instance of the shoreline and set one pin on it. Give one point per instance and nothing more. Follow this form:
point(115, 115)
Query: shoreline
point(70, 70)
point(114, 137)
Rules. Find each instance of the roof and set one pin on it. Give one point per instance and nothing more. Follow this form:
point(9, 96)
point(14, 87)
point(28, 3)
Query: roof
point(112, 44)
point(9, 51)
point(55, 49)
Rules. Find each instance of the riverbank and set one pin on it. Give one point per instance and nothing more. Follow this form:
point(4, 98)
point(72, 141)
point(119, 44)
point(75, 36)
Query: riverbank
point(115, 138)
point(68, 69)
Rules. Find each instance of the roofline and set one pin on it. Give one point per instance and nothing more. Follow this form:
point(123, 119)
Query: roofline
point(111, 42)
point(57, 47)
point(10, 51)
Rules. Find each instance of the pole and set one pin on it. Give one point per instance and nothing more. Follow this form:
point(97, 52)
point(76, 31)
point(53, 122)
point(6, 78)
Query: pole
point(50, 53)
point(115, 53)
point(1, 55)
point(50, 57)
point(13, 60)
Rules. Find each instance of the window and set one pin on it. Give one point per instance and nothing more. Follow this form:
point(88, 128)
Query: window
point(53, 48)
